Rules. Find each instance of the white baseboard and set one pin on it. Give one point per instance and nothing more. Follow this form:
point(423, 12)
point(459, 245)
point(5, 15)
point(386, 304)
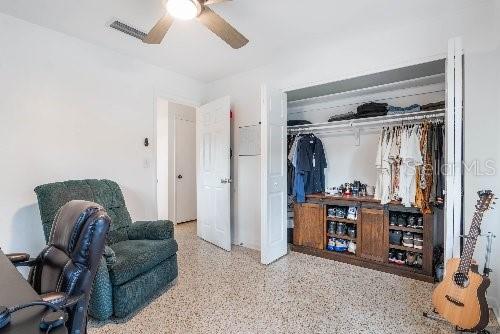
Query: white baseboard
point(493, 303)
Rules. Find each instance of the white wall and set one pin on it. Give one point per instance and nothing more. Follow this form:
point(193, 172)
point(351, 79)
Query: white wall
point(163, 158)
point(482, 142)
point(375, 51)
point(73, 110)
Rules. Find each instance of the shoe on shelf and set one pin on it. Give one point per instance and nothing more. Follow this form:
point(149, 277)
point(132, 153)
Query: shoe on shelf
point(341, 229)
point(411, 222)
point(420, 223)
point(351, 248)
point(331, 244)
point(331, 212)
point(400, 257)
point(341, 213)
point(411, 258)
point(395, 237)
point(418, 261)
point(393, 219)
point(402, 220)
point(418, 241)
point(331, 227)
point(340, 245)
point(408, 240)
point(351, 231)
point(352, 213)
point(392, 256)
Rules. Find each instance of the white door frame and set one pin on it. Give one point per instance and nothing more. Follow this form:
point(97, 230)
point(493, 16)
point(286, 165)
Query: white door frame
point(454, 138)
point(174, 99)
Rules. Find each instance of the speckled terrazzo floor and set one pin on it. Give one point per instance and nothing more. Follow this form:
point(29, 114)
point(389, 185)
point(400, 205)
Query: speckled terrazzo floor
point(222, 292)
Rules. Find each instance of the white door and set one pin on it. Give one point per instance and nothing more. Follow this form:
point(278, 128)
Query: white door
point(273, 175)
point(185, 173)
point(213, 172)
point(454, 118)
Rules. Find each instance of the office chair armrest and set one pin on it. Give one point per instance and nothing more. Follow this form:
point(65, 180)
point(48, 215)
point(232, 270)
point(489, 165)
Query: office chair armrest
point(61, 299)
point(21, 259)
point(151, 230)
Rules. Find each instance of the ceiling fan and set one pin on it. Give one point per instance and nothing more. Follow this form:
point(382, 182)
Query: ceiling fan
point(191, 9)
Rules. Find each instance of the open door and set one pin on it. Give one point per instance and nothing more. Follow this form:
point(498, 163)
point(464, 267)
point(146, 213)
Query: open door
point(213, 172)
point(273, 175)
point(185, 170)
point(454, 140)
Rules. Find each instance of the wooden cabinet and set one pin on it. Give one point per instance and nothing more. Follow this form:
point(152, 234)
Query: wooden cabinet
point(373, 235)
point(373, 228)
point(309, 225)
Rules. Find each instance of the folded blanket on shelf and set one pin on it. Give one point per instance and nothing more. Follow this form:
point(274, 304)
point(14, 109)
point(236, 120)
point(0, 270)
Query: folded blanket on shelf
point(294, 122)
point(342, 117)
point(434, 106)
point(371, 107)
point(372, 114)
point(392, 110)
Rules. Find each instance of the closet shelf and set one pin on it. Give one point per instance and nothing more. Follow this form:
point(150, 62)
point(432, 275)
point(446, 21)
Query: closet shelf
point(372, 122)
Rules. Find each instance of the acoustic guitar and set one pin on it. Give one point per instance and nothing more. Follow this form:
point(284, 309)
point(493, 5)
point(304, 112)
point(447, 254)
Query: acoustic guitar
point(461, 297)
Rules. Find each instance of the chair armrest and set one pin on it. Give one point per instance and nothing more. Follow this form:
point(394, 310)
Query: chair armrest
point(21, 259)
point(60, 299)
point(18, 257)
point(109, 255)
point(151, 230)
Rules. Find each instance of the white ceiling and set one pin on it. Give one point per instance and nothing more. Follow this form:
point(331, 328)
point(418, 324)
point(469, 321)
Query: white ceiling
point(275, 28)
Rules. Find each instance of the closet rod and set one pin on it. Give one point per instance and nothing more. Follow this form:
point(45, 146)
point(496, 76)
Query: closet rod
point(370, 122)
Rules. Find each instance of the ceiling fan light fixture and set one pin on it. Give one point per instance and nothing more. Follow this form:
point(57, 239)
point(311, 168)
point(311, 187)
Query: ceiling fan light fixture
point(182, 9)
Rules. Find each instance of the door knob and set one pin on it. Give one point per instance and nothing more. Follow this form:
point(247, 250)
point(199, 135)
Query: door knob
point(179, 176)
point(226, 181)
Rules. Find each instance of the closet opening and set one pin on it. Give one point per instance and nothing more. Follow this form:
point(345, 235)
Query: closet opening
point(366, 170)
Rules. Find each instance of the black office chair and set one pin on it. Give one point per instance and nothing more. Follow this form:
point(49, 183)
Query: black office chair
point(64, 271)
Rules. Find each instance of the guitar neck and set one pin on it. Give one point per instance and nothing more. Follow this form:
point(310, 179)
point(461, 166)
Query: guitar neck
point(470, 244)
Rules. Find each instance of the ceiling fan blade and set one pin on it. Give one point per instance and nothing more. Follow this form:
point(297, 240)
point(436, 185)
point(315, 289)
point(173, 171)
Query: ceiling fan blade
point(222, 29)
point(156, 35)
point(211, 2)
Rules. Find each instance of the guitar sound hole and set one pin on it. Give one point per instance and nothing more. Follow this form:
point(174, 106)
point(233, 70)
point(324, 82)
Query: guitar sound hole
point(461, 280)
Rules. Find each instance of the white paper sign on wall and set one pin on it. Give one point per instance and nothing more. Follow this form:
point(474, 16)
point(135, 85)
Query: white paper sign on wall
point(249, 140)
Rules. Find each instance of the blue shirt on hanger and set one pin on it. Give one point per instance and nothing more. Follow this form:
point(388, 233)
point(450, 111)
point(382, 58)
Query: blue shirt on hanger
point(310, 167)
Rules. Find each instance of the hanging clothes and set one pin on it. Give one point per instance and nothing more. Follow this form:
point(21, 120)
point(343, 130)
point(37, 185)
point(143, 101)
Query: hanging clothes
point(310, 164)
point(395, 162)
point(291, 139)
point(411, 157)
point(438, 180)
point(409, 164)
point(378, 165)
point(423, 178)
point(382, 163)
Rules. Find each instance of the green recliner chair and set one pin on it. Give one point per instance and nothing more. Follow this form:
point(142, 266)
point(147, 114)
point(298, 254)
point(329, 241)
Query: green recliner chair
point(140, 258)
